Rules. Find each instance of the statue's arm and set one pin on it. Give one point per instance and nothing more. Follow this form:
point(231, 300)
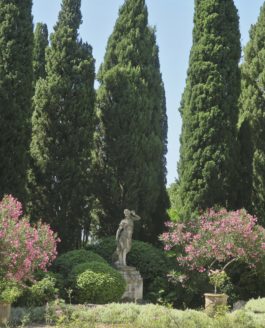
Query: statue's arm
point(120, 229)
point(118, 233)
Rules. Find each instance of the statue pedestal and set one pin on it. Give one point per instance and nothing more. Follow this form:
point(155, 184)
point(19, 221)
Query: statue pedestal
point(134, 284)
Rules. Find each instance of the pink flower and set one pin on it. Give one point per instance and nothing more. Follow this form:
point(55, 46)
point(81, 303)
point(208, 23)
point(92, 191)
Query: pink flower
point(23, 248)
point(217, 237)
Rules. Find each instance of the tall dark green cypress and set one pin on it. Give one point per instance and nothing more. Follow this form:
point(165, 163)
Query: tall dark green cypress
point(208, 154)
point(131, 140)
point(16, 40)
point(59, 181)
point(252, 120)
point(39, 48)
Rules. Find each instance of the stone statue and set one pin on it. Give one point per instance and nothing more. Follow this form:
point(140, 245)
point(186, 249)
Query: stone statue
point(124, 236)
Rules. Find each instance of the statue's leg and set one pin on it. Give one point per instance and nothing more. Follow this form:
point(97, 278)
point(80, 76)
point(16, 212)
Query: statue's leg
point(120, 257)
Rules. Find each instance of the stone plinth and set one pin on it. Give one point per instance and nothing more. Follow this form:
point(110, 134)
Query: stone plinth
point(134, 283)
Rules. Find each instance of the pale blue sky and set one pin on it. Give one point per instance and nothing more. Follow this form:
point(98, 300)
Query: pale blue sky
point(174, 21)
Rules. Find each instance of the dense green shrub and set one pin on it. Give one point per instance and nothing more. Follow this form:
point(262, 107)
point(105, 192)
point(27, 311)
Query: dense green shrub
point(67, 261)
point(98, 283)
point(149, 260)
point(247, 283)
point(105, 247)
point(27, 315)
point(59, 278)
point(39, 293)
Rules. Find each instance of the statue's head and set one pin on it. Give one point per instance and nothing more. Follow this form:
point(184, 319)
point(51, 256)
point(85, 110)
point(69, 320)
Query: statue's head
point(131, 215)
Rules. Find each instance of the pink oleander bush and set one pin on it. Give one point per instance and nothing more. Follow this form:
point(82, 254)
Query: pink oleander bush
point(216, 240)
point(23, 248)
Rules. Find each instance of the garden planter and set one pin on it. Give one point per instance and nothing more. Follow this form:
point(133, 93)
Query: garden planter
point(213, 301)
point(5, 309)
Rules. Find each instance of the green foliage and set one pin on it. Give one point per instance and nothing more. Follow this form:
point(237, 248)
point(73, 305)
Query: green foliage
point(131, 315)
point(98, 283)
point(245, 283)
point(27, 315)
point(9, 291)
point(59, 181)
point(208, 154)
point(39, 48)
point(16, 41)
point(149, 260)
point(39, 293)
point(218, 279)
point(184, 291)
point(175, 204)
point(252, 120)
point(105, 247)
point(256, 305)
point(65, 263)
point(132, 127)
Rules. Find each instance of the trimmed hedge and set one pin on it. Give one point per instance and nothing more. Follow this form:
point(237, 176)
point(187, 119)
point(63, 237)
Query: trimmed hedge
point(97, 283)
point(67, 261)
point(131, 315)
point(149, 260)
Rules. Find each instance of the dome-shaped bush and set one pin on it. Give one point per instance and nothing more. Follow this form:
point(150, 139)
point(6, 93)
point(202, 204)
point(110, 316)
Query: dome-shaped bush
point(149, 260)
point(105, 247)
point(96, 282)
point(67, 261)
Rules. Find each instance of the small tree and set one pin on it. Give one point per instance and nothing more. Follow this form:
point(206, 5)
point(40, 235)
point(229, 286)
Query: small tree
point(215, 241)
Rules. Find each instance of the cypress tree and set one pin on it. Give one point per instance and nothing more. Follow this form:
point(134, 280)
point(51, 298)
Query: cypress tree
point(131, 140)
point(252, 120)
point(59, 180)
point(40, 45)
point(16, 40)
point(208, 153)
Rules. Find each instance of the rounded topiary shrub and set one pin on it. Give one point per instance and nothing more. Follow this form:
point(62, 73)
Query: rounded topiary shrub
point(97, 282)
point(67, 261)
point(105, 247)
point(149, 260)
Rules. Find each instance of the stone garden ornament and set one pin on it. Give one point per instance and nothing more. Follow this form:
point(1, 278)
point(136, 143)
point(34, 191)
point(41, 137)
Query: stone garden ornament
point(124, 236)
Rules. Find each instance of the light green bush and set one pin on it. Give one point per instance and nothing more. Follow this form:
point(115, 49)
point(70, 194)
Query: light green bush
point(256, 305)
point(40, 293)
point(239, 319)
point(98, 283)
point(131, 315)
point(151, 261)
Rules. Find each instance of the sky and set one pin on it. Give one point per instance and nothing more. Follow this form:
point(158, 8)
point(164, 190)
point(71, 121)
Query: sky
point(174, 22)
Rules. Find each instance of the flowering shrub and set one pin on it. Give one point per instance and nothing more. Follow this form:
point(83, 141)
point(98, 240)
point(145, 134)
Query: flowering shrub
point(216, 240)
point(23, 248)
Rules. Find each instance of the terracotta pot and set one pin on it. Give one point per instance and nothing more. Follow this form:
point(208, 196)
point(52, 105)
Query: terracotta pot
point(212, 301)
point(5, 310)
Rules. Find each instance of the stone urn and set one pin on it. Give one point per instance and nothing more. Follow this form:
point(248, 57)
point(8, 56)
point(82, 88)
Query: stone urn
point(5, 310)
point(212, 301)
